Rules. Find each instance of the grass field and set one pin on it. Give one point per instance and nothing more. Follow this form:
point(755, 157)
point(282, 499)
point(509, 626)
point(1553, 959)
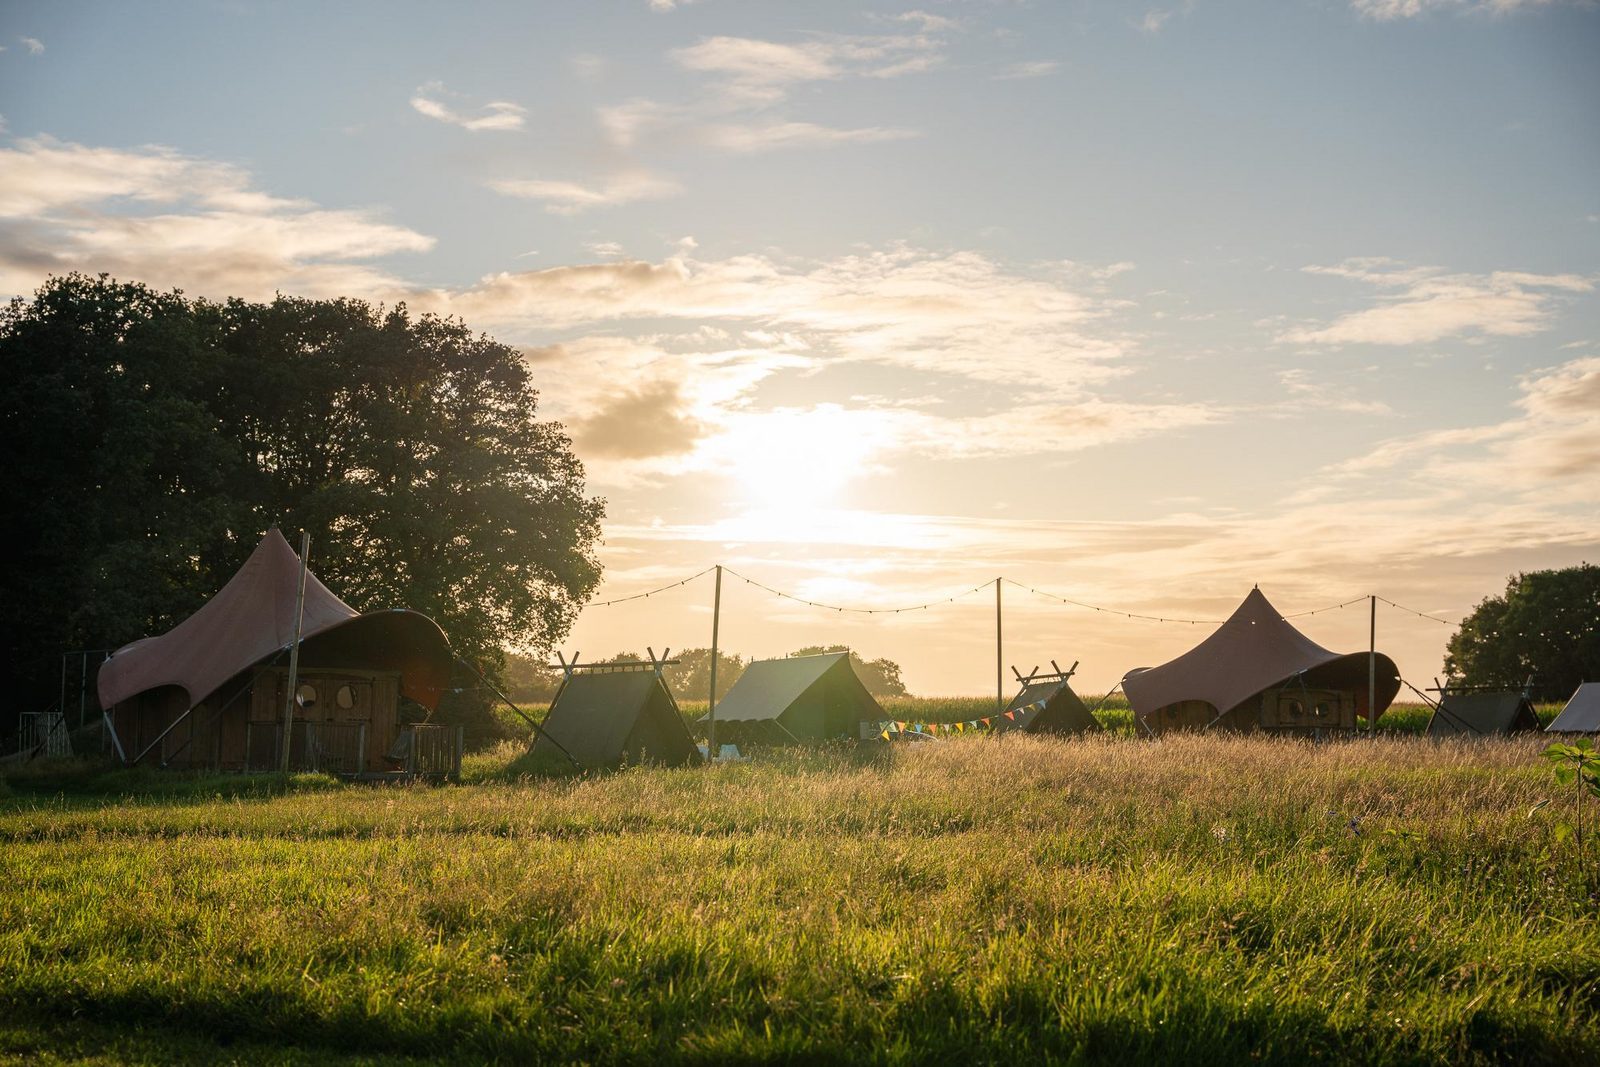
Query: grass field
point(1201, 899)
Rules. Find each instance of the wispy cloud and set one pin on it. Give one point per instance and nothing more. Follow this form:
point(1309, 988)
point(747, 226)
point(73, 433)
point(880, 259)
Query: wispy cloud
point(764, 137)
point(1551, 445)
point(1390, 10)
point(500, 115)
point(1425, 304)
point(570, 198)
point(1038, 68)
point(34, 46)
point(66, 207)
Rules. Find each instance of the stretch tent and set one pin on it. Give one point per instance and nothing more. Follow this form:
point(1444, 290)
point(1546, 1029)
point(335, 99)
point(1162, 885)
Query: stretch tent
point(1256, 671)
point(801, 698)
point(211, 691)
point(1582, 713)
point(1046, 705)
point(1482, 715)
point(604, 717)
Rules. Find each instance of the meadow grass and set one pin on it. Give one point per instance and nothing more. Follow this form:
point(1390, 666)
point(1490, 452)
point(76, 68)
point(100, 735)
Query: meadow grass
point(1014, 899)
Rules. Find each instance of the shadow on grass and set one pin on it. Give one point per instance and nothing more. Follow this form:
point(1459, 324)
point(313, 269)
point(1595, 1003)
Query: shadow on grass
point(99, 780)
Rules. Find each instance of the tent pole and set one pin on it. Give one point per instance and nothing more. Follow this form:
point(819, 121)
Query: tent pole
point(294, 655)
point(1372, 667)
point(999, 655)
point(711, 703)
point(537, 729)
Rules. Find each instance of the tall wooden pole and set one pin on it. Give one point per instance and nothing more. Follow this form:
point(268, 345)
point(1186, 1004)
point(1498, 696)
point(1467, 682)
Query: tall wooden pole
point(711, 703)
point(999, 657)
point(294, 655)
point(1372, 665)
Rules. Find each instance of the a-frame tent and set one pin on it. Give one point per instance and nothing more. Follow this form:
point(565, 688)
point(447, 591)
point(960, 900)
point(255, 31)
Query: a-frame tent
point(800, 698)
point(1257, 672)
point(1046, 704)
point(604, 716)
point(1581, 714)
point(1482, 715)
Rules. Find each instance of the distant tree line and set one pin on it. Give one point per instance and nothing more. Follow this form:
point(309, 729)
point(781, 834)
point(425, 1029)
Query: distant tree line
point(1544, 627)
point(531, 678)
point(150, 440)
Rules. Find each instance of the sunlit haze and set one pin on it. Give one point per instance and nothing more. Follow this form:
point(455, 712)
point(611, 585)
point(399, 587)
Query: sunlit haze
point(1136, 305)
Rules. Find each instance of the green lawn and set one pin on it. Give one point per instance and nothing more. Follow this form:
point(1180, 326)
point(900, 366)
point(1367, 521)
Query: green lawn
point(1201, 899)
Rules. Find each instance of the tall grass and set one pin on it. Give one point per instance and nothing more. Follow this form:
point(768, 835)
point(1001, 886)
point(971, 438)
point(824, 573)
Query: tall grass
point(1205, 899)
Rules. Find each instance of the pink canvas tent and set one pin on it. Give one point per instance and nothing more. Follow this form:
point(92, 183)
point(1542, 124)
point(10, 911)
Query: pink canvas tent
point(251, 619)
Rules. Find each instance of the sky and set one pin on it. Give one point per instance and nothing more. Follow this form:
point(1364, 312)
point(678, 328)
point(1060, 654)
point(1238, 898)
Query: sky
point(1136, 305)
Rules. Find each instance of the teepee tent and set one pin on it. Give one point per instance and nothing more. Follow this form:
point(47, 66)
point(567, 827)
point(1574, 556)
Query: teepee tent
point(1482, 715)
point(1582, 713)
point(212, 690)
point(1257, 672)
point(801, 698)
point(1046, 704)
point(603, 716)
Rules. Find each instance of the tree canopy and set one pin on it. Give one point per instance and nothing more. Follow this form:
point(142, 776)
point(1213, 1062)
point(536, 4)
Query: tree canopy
point(1545, 626)
point(152, 439)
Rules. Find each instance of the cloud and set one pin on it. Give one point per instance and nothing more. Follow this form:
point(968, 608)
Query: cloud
point(1038, 68)
point(777, 135)
point(1391, 10)
point(497, 114)
point(957, 313)
point(1550, 449)
point(1422, 305)
point(570, 198)
point(755, 71)
point(65, 207)
point(643, 423)
point(1307, 394)
point(34, 46)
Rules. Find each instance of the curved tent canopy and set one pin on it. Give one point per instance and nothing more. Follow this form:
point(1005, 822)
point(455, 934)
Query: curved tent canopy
point(251, 619)
point(1256, 649)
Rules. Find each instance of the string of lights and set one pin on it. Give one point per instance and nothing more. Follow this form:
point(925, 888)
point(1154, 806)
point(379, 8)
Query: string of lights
point(856, 611)
point(940, 601)
point(652, 592)
point(1418, 614)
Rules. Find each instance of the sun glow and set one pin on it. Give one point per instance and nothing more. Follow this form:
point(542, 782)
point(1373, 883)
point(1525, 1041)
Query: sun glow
point(796, 461)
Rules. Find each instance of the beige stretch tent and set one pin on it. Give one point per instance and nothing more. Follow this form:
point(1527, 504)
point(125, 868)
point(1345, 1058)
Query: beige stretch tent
point(604, 716)
point(1257, 672)
point(1462, 714)
point(1046, 704)
point(801, 698)
point(211, 691)
point(1581, 714)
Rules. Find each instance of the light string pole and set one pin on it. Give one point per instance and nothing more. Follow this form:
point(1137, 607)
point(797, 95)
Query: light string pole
point(294, 654)
point(1372, 667)
point(999, 654)
point(711, 701)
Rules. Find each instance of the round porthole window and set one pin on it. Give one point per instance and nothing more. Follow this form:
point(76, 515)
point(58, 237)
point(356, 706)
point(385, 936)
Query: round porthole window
point(345, 697)
point(1294, 708)
point(1323, 710)
point(306, 695)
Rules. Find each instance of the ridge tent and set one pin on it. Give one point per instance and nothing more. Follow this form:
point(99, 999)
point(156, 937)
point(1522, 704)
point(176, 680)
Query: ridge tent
point(1257, 672)
point(211, 691)
point(1046, 704)
point(1581, 715)
point(800, 698)
point(1482, 715)
point(603, 717)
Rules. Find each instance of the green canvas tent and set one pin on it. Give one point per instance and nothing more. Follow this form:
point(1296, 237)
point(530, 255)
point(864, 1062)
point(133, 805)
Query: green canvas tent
point(1046, 704)
point(1582, 713)
point(801, 698)
point(1481, 715)
point(605, 717)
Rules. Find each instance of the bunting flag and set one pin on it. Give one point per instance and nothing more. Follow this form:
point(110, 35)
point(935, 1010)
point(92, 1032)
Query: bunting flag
point(1011, 715)
point(884, 735)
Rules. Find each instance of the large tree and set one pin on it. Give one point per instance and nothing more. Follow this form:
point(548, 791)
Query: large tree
point(1546, 626)
point(150, 440)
